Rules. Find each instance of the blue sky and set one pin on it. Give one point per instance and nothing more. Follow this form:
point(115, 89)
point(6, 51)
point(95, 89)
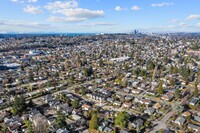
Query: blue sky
point(107, 16)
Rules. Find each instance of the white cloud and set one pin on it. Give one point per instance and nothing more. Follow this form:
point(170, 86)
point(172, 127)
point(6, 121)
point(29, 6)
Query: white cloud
point(57, 5)
point(14, 0)
point(162, 4)
point(98, 24)
point(32, 9)
point(23, 24)
point(193, 17)
point(135, 8)
point(183, 24)
point(17, 1)
point(118, 8)
point(71, 12)
point(198, 25)
point(65, 19)
point(174, 20)
point(3, 32)
point(33, 1)
point(20, 26)
point(82, 13)
point(168, 27)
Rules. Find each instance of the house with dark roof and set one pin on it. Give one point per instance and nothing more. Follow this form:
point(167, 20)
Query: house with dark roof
point(138, 123)
point(193, 101)
point(195, 128)
point(197, 118)
point(180, 121)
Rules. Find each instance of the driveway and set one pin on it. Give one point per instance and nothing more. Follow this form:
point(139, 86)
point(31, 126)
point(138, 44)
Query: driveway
point(162, 123)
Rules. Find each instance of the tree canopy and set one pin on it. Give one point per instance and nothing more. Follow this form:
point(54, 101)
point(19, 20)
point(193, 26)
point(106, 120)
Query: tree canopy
point(88, 71)
point(19, 105)
point(93, 124)
point(60, 120)
point(160, 88)
point(74, 104)
point(121, 119)
point(177, 93)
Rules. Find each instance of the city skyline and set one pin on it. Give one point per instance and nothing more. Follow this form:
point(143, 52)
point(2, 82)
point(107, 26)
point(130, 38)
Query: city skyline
point(96, 16)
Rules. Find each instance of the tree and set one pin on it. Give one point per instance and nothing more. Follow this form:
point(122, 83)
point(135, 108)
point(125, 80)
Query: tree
point(30, 76)
point(196, 91)
point(4, 129)
point(175, 70)
point(75, 104)
point(93, 124)
point(30, 103)
point(19, 105)
point(88, 71)
point(121, 119)
point(177, 108)
point(125, 66)
point(172, 81)
point(195, 46)
point(63, 97)
point(150, 65)
point(185, 72)
point(118, 80)
point(143, 73)
point(160, 131)
point(160, 88)
point(68, 101)
point(76, 90)
point(147, 123)
point(60, 120)
point(136, 71)
point(29, 126)
point(177, 93)
point(22, 67)
point(101, 63)
point(166, 60)
point(83, 91)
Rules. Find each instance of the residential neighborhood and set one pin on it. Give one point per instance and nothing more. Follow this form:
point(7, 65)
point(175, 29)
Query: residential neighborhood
point(101, 83)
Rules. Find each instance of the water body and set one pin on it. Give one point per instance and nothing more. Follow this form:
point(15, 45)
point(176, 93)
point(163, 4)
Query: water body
point(50, 34)
point(79, 34)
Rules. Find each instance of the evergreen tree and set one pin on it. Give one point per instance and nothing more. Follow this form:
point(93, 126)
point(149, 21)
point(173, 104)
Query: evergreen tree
point(88, 71)
point(196, 91)
point(19, 105)
point(125, 67)
point(175, 69)
point(166, 60)
point(60, 120)
point(185, 72)
point(93, 124)
point(177, 93)
point(172, 82)
point(101, 63)
point(74, 104)
point(160, 88)
point(150, 65)
point(29, 126)
point(121, 119)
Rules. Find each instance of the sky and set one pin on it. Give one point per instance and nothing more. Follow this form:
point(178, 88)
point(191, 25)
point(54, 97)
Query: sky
point(99, 16)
